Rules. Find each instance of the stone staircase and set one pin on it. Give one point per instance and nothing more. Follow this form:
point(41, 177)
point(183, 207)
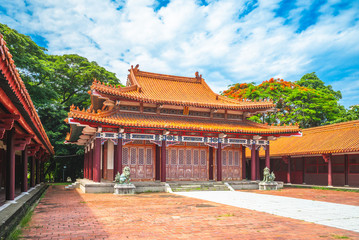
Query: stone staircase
point(198, 186)
point(73, 185)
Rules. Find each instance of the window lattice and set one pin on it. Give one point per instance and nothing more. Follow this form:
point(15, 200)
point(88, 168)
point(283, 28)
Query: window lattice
point(230, 158)
point(188, 157)
point(181, 157)
point(224, 158)
point(173, 156)
point(195, 157)
point(125, 156)
point(141, 156)
point(149, 156)
point(133, 156)
point(203, 158)
point(236, 158)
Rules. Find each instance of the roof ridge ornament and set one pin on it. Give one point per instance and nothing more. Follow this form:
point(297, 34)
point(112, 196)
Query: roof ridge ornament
point(198, 76)
point(136, 68)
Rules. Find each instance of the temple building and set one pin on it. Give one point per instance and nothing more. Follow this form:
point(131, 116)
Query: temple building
point(170, 128)
point(23, 140)
point(325, 155)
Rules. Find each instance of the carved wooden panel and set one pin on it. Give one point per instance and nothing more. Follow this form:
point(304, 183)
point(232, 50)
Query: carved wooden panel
point(140, 161)
point(187, 164)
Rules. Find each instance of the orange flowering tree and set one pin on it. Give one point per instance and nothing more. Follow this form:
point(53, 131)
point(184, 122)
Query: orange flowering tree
point(308, 101)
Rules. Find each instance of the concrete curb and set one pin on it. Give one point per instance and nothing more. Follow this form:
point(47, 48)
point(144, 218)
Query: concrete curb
point(168, 188)
point(12, 212)
point(229, 187)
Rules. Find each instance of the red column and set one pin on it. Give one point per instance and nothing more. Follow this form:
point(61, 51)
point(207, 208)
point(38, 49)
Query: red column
point(244, 162)
point(210, 163)
point(90, 167)
point(97, 160)
point(32, 175)
point(303, 174)
point(114, 161)
point(254, 162)
point(257, 165)
point(288, 172)
point(346, 170)
point(219, 161)
point(163, 161)
point(330, 176)
point(158, 163)
point(37, 171)
point(267, 155)
point(85, 156)
point(42, 171)
point(119, 156)
point(10, 165)
point(24, 160)
point(87, 163)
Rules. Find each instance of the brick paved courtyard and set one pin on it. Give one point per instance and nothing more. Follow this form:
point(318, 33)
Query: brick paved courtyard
point(65, 214)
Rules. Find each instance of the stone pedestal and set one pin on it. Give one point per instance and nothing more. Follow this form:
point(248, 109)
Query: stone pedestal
point(122, 189)
point(268, 186)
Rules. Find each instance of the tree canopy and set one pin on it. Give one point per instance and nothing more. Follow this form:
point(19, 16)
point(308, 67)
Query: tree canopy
point(308, 101)
point(55, 82)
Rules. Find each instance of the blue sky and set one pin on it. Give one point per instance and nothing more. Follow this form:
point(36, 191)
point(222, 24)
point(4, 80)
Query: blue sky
point(227, 41)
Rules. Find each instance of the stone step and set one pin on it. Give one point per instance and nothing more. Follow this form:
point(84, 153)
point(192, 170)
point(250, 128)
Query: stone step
point(198, 187)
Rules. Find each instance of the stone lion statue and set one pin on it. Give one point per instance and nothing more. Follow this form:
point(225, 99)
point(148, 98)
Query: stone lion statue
point(267, 176)
point(123, 178)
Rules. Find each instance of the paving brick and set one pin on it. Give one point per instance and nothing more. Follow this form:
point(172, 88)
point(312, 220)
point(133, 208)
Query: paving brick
point(65, 214)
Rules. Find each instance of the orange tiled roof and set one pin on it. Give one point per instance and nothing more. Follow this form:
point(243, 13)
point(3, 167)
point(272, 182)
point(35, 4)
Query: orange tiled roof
point(335, 138)
point(174, 90)
point(122, 119)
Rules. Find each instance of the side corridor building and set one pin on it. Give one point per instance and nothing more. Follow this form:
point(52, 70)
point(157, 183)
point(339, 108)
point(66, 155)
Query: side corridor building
point(169, 128)
point(22, 135)
point(325, 155)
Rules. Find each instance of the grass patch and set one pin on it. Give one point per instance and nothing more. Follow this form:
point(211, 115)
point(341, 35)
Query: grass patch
point(227, 215)
point(325, 188)
point(339, 236)
point(83, 202)
point(59, 183)
point(16, 234)
point(24, 222)
point(336, 189)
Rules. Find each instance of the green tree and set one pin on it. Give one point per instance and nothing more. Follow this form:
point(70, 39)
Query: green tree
point(307, 102)
point(55, 82)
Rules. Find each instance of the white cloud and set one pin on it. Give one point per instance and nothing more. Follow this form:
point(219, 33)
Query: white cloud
point(184, 37)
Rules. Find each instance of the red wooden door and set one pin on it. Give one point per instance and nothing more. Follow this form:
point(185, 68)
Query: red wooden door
point(231, 169)
point(188, 168)
point(140, 161)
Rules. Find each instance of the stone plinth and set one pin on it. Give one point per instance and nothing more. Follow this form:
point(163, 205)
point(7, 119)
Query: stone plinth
point(122, 189)
point(268, 186)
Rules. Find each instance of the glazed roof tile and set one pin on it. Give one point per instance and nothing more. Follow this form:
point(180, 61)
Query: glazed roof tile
point(335, 138)
point(166, 89)
point(126, 119)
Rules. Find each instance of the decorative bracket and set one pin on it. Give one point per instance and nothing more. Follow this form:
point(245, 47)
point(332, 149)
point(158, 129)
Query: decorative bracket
point(285, 159)
point(158, 143)
point(7, 122)
point(327, 157)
